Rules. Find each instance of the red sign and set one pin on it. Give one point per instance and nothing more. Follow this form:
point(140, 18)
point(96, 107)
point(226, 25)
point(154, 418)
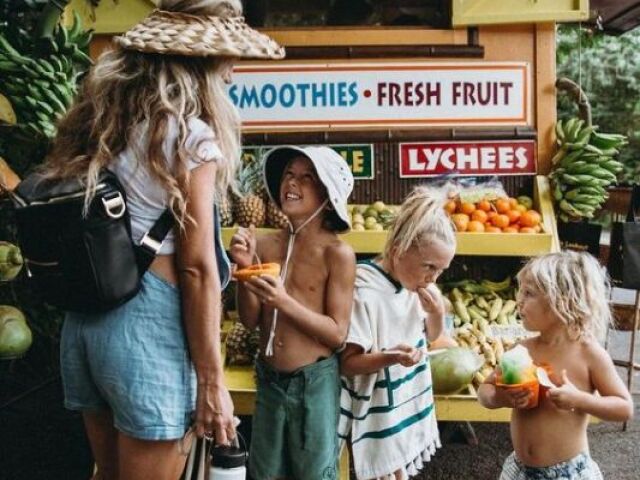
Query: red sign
point(495, 157)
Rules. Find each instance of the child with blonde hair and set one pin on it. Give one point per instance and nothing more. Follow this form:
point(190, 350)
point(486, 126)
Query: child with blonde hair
point(387, 409)
point(564, 297)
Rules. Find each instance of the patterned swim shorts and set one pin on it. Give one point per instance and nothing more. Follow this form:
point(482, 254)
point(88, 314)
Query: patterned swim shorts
point(580, 467)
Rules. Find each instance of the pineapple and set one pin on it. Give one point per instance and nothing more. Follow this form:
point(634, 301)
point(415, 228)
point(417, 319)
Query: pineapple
point(242, 345)
point(249, 208)
point(275, 217)
point(226, 212)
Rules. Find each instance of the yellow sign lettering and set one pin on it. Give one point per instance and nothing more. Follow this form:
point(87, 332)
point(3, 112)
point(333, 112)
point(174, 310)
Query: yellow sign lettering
point(358, 161)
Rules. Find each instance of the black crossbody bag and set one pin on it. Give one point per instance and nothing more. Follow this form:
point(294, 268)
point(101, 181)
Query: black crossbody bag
point(82, 263)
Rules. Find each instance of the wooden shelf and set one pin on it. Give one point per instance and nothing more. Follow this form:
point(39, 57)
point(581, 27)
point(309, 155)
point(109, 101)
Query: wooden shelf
point(241, 384)
point(494, 244)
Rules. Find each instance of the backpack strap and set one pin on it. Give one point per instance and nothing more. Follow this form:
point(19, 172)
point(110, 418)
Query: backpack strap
point(152, 241)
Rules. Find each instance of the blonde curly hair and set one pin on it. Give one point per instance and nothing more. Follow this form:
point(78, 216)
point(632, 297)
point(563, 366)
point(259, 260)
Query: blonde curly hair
point(421, 219)
point(126, 89)
point(577, 287)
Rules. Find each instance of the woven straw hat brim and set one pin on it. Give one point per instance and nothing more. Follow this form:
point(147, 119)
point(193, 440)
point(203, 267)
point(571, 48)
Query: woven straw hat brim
point(174, 33)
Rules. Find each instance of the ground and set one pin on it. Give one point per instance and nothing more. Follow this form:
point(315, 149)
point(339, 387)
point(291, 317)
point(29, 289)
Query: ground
point(40, 440)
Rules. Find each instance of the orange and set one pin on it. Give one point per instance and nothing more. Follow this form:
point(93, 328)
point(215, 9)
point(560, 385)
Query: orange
point(527, 230)
point(513, 202)
point(530, 218)
point(475, 226)
point(502, 205)
point(479, 216)
point(461, 221)
point(511, 229)
point(514, 215)
point(500, 221)
point(450, 207)
point(538, 228)
point(484, 205)
point(492, 229)
point(491, 214)
point(521, 208)
point(466, 207)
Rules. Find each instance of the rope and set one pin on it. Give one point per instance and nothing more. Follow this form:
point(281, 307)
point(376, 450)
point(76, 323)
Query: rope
point(283, 273)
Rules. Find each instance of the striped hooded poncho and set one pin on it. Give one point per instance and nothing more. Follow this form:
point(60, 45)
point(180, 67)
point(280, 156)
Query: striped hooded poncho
point(389, 416)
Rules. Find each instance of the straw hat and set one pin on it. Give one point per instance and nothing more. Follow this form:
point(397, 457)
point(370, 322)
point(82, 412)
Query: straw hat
point(178, 33)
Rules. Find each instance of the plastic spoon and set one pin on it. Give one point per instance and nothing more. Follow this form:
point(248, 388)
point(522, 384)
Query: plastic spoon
point(429, 353)
point(543, 378)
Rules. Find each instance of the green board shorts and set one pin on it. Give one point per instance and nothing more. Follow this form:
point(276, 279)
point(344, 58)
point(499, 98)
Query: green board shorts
point(294, 432)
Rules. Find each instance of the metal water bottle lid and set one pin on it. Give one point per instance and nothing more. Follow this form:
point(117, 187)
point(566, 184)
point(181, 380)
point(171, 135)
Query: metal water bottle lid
point(228, 456)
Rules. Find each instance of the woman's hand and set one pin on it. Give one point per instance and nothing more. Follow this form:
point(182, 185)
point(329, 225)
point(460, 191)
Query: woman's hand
point(268, 289)
point(242, 247)
point(214, 413)
point(431, 300)
point(406, 355)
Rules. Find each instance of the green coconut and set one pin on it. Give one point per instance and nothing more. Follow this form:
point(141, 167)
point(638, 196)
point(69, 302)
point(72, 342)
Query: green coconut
point(453, 370)
point(15, 335)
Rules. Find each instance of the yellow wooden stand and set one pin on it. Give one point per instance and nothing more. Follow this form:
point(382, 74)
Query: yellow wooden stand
point(495, 244)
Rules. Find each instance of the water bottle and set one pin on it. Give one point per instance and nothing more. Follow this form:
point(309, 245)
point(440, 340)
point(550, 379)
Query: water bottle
point(229, 462)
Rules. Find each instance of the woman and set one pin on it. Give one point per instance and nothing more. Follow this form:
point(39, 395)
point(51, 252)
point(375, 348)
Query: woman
point(155, 111)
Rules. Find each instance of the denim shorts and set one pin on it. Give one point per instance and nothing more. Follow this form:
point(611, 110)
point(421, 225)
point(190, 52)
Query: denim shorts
point(294, 432)
point(134, 361)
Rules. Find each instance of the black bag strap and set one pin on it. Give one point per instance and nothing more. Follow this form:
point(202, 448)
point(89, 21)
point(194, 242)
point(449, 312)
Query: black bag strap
point(152, 241)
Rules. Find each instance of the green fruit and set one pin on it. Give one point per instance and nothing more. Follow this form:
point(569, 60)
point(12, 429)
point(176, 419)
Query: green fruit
point(525, 201)
point(10, 261)
point(15, 335)
point(371, 212)
point(369, 222)
point(453, 370)
point(378, 206)
point(358, 227)
point(357, 218)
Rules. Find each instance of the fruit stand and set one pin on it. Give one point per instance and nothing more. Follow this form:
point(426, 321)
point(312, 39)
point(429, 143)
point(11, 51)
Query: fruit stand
point(386, 144)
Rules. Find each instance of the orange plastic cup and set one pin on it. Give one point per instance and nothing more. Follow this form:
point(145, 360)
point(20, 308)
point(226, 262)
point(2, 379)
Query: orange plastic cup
point(531, 385)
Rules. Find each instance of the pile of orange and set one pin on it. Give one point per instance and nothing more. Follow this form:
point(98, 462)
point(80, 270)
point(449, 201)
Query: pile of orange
point(503, 215)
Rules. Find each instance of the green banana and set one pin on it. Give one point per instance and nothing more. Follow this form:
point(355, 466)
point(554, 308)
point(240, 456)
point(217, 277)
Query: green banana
point(497, 286)
point(571, 157)
point(559, 131)
point(604, 174)
point(613, 166)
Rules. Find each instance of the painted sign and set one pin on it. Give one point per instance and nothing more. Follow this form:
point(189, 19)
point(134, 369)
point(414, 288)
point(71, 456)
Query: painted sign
point(496, 157)
point(359, 157)
point(381, 94)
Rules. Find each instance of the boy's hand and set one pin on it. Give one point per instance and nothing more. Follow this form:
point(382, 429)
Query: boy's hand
point(513, 397)
point(268, 289)
point(431, 300)
point(566, 395)
point(242, 247)
point(406, 356)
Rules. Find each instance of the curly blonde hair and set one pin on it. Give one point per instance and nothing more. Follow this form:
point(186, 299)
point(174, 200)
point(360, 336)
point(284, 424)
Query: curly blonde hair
point(421, 219)
point(126, 89)
point(577, 287)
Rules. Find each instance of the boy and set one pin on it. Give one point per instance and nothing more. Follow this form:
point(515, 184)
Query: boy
point(303, 315)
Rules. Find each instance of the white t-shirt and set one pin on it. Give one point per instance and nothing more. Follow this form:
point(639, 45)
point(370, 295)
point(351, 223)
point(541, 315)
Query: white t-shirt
point(146, 198)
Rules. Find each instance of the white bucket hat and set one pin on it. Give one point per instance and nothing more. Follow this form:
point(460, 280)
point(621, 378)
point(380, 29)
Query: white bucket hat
point(333, 171)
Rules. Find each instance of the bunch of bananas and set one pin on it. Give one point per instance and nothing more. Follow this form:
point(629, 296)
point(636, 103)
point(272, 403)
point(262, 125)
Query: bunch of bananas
point(583, 168)
point(482, 303)
point(41, 89)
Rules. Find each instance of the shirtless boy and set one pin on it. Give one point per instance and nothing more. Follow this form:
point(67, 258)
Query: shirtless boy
point(303, 315)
